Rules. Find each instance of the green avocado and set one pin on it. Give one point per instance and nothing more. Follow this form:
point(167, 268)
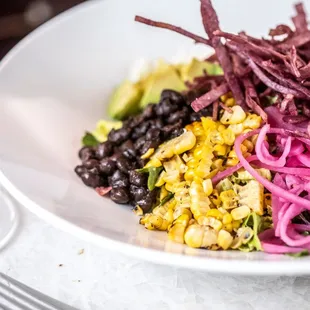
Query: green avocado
point(165, 77)
point(125, 100)
point(196, 68)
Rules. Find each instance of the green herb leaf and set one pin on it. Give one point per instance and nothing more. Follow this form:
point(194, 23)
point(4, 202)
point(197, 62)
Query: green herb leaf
point(253, 221)
point(89, 140)
point(166, 199)
point(153, 176)
point(299, 254)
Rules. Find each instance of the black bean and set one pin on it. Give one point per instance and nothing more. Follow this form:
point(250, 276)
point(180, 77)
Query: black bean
point(146, 146)
point(128, 149)
point(138, 193)
point(137, 178)
point(91, 179)
point(118, 136)
point(119, 195)
point(141, 129)
point(147, 201)
point(86, 153)
point(91, 163)
point(168, 129)
point(141, 162)
point(152, 134)
point(79, 170)
point(149, 111)
point(107, 166)
point(124, 164)
point(178, 115)
point(194, 117)
point(157, 123)
point(176, 132)
point(104, 149)
point(173, 95)
point(118, 179)
point(94, 170)
point(139, 143)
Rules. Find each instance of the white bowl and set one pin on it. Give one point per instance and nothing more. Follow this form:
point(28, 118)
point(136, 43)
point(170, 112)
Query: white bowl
point(55, 83)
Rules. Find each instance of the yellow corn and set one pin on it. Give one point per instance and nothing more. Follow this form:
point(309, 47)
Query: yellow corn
point(215, 198)
point(237, 129)
point(210, 221)
point(229, 199)
point(236, 117)
point(199, 201)
point(227, 218)
point(228, 227)
point(207, 186)
point(177, 229)
point(216, 137)
point(252, 121)
point(189, 174)
point(236, 224)
point(217, 164)
point(230, 102)
point(240, 212)
point(216, 214)
point(220, 150)
point(232, 162)
point(249, 145)
point(148, 153)
point(224, 239)
point(228, 136)
point(197, 236)
point(161, 179)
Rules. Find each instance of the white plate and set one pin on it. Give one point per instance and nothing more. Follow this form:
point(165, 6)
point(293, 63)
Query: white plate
point(55, 84)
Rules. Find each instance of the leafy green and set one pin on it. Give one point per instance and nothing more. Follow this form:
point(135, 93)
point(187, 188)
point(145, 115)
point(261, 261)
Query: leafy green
point(103, 128)
point(166, 199)
point(299, 254)
point(153, 175)
point(272, 99)
point(253, 221)
point(89, 140)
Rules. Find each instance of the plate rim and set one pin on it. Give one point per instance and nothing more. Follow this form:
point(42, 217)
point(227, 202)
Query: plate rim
point(291, 267)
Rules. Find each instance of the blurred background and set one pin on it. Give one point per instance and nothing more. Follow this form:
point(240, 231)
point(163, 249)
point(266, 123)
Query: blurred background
point(19, 17)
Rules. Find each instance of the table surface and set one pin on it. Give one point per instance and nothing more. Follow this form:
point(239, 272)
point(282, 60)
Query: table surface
point(89, 277)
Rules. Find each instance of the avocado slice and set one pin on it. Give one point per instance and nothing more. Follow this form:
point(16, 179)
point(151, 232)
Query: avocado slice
point(165, 77)
point(125, 100)
point(196, 68)
point(103, 128)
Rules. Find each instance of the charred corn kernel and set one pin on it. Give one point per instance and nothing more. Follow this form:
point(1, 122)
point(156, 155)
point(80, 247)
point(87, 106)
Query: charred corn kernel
point(236, 224)
point(243, 149)
point(230, 162)
point(144, 218)
point(249, 145)
point(236, 129)
point(156, 222)
point(161, 179)
point(210, 221)
point(177, 229)
point(236, 117)
point(207, 186)
point(252, 121)
point(240, 212)
point(232, 154)
point(224, 239)
point(244, 234)
point(224, 97)
point(212, 174)
point(215, 137)
point(267, 199)
point(160, 210)
point(254, 139)
point(178, 145)
point(153, 162)
point(220, 150)
point(189, 174)
point(208, 124)
point(217, 163)
point(229, 199)
point(200, 202)
point(169, 216)
point(230, 102)
point(148, 153)
point(179, 210)
point(138, 210)
point(228, 227)
point(215, 198)
point(227, 218)
point(216, 214)
point(163, 193)
point(228, 136)
point(197, 236)
point(222, 210)
point(221, 128)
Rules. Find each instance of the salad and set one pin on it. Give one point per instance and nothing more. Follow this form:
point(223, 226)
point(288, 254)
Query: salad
point(216, 151)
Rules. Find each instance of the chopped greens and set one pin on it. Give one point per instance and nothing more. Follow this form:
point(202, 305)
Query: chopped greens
point(89, 140)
